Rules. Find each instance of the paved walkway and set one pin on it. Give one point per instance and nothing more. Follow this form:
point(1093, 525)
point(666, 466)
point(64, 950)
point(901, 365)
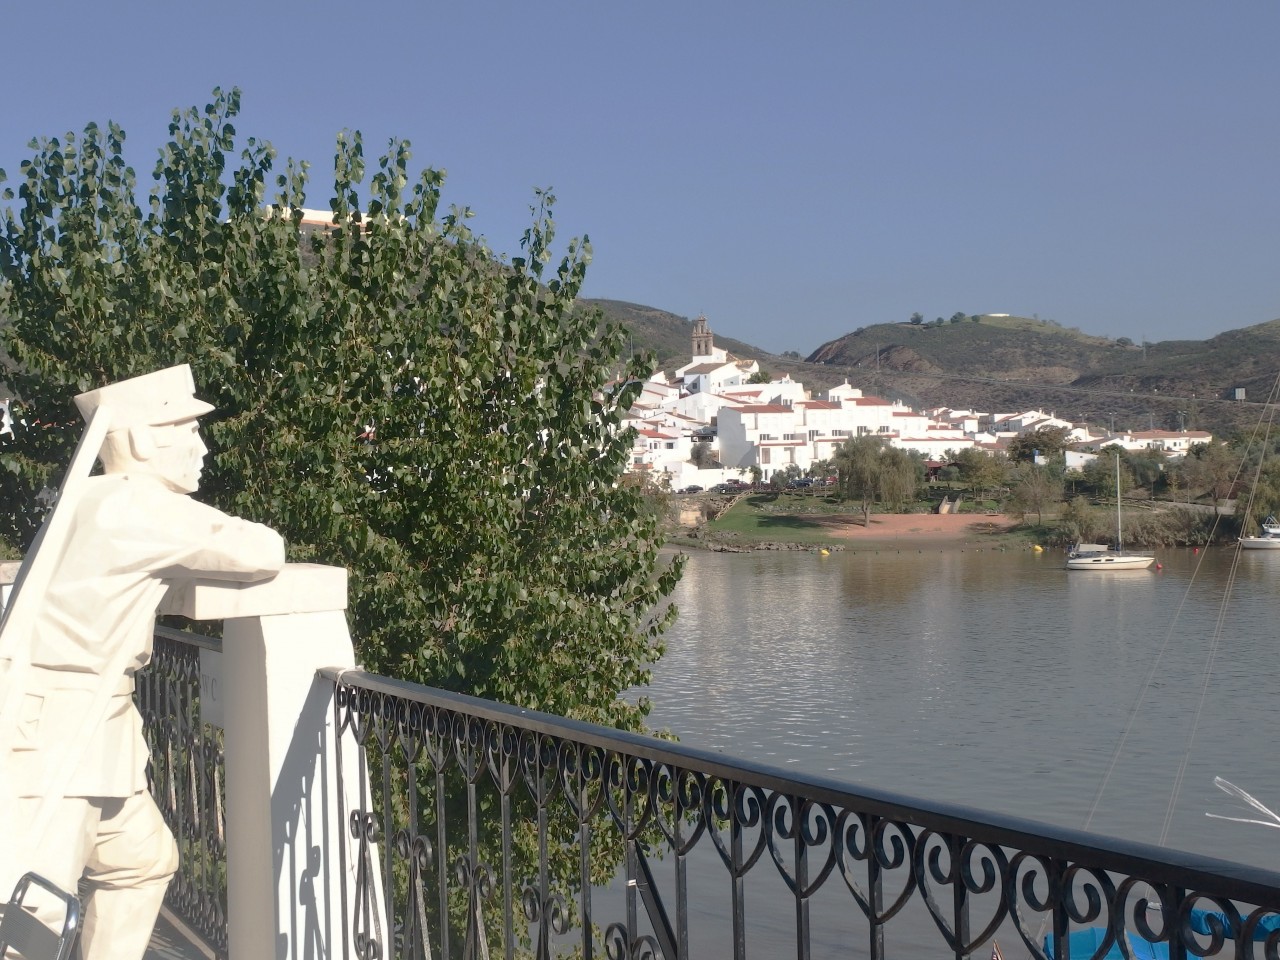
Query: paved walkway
point(171, 941)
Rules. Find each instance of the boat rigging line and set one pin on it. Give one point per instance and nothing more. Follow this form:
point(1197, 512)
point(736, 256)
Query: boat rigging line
point(1260, 437)
point(1263, 427)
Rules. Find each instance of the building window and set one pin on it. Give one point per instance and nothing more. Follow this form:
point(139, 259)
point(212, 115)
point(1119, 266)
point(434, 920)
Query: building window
point(764, 454)
point(766, 436)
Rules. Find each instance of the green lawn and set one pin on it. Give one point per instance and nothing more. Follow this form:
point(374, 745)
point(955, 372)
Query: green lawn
point(784, 517)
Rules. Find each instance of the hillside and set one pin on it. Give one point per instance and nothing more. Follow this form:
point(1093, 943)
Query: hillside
point(1010, 363)
point(667, 335)
point(1006, 363)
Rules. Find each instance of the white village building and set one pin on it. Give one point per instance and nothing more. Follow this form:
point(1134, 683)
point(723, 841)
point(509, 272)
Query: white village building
point(776, 425)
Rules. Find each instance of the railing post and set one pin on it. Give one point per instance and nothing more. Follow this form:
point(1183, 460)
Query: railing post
point(283, 829)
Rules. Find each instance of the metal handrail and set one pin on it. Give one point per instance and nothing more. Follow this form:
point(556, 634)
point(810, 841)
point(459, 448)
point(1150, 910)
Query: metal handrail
point(969, 851)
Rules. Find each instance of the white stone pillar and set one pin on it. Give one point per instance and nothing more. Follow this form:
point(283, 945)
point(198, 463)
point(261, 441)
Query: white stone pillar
point(284, 876)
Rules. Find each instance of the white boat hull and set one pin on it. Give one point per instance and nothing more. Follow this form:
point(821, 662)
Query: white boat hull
point(1260, 543)
point(1109, 561)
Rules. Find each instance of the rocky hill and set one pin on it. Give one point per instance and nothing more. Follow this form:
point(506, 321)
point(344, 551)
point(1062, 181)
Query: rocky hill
point(667, 335)
point(1007, 363)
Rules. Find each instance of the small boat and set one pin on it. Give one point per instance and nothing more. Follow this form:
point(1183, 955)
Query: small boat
point(1270, 539)
point(1087, 941)
point(1095, 556)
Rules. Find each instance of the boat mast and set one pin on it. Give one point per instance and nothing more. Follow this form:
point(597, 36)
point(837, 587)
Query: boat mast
point(1119, 525)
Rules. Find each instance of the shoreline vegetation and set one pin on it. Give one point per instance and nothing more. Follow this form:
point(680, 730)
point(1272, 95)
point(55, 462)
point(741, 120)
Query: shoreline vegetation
point(771, 521)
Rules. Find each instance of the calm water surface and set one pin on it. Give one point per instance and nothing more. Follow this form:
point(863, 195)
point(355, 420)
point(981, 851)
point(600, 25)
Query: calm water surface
point(993, 679)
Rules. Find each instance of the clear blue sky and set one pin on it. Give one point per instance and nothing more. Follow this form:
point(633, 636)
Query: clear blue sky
point(792, 170)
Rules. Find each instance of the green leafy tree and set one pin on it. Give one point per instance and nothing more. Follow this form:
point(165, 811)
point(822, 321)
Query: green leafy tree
point(1083, 523)
point(823, 468)
point(917, 319)
point(702, 456)
point(391, 396)
point(1148, 468)
point(1049, 442)
point(957, 317)
point(1211, 469)
point(779, 479)
point(1262, 498)
point(1034, 488)
point(1099, 474)
point(858, 465)
point(871, 472)
point(900, 474)
point(982, 471)
point(760, 376)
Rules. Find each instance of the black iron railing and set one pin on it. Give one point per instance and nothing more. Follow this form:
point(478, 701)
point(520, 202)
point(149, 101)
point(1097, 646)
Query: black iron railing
point(484, 830)
point(186, 774)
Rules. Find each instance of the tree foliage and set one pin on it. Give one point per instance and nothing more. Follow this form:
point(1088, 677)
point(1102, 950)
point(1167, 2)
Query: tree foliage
point(1048, 442)
point(870, 471)
point(391, 397)
point(982, 471)
point(1210, 470)
point(1262, 498)
point(702, 456)
point(1033, 488)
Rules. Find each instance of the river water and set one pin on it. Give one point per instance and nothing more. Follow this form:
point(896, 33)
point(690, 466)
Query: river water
point(994, 679)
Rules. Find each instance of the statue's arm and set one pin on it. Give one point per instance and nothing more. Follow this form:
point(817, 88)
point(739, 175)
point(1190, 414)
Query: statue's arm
point(175, 537)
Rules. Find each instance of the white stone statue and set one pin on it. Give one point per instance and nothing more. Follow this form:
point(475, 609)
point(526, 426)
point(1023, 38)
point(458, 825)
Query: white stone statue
point(73, 795)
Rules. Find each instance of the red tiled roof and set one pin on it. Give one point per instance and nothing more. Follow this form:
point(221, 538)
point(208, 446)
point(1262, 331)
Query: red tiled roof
point(708, 367)
point(765, 408)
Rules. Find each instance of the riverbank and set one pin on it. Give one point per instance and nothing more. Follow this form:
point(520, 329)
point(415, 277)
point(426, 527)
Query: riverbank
point(744, 530)
point(788, 521)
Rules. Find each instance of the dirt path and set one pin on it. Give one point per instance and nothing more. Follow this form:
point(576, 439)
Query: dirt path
point(920, 527)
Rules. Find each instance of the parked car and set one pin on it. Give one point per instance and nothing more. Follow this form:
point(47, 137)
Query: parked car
point(692, 488)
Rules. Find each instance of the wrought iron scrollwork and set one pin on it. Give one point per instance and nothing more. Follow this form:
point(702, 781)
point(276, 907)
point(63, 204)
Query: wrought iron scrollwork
point(527, 808)
point(185, 773)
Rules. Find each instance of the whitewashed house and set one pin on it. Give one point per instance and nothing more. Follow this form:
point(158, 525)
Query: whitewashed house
point(1174, 443)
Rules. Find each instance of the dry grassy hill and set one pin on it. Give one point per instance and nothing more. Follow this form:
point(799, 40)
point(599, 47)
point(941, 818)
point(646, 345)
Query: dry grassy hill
point(1009, 363)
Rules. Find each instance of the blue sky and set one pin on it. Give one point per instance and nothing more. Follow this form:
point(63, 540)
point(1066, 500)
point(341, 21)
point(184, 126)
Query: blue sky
point(794, 171)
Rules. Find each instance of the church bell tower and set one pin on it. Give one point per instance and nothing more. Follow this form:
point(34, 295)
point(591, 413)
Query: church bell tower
point(703, 343)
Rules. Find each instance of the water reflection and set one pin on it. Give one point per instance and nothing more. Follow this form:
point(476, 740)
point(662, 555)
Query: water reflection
point(989, 678)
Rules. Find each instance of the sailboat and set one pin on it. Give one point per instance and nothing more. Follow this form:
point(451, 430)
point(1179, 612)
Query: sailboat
point(1270, 539)
point(1092, 556)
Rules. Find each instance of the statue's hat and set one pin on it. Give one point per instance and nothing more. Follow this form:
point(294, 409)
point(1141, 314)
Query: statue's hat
point(153, 399)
